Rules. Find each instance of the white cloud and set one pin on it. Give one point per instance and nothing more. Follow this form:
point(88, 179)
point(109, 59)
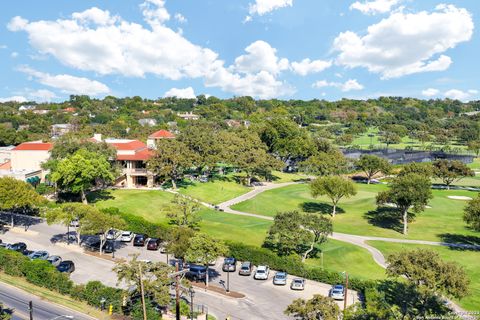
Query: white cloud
point(186, 93)
point(459, 94)
point(374, 6)
point(406, 43)
point(14, 54)
point(262, 7)
point(307, 66)
point(67, 83)
point(430, 92)
point(14, 98)
point(260, 57)
point(180, 18)
point(117, 46)
point(349, 85)
point(42, 95)
point(473, 91)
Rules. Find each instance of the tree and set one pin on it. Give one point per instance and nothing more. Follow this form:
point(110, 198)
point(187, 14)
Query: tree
point(390, 138)
point(18, 195)
point(154, 276)
point(170, 160)
point(450, 171)
point(320, 227)
point(82, 171)
point(204, 249)
point(422, 168)
point(183, 211)
point(319, 307)
point(324, 163)
point(474, 146)
point(69, 212)
point(425, 270)
point(99, 222)
point(471, 213)
point(410, 190)
point(371, 165)
point(178, 241)
point(287, 235)
point(334, 187)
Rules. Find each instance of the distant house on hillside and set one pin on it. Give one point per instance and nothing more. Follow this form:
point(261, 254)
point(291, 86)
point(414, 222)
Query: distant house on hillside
point(59, 129)
point(188, 116)
point(26, 108)
point(158, 135)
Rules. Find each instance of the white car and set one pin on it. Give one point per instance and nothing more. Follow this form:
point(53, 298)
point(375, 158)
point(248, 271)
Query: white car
point(126, 236)
point(261, 273)
point(54, 260)
point(40, 255)
point(337, 292)
point(113, 234)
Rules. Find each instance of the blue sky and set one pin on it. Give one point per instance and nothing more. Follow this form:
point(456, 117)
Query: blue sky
point(288, 49)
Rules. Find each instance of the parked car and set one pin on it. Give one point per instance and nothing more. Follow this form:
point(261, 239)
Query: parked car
point(298, 284)
point(113, 234)
point(280, 278)
point(54, 260)
point(19, 247)
point(245, 269)
point(261, 273)
point(196, 273)
point(66, 266)
point(337, 292)
point(109, 246)
point(27, 252)
point(153, 244)
point(126, 236)
point(139, 240)
point(40, 255)
point(229, 265)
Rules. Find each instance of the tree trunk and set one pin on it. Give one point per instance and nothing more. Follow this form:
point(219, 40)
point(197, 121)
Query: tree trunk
point(249, 179)
point(78, 236)
point(305, 255)
point(174, 184)
point(334, 209)
point(206, 276)
point(12, 222)
point(368, 179)
point(101, 244)
point(84, 197)
point(405, 221)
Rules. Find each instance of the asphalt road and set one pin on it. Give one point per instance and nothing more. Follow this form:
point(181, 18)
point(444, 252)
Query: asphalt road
point(263, 300)
point(18, 301)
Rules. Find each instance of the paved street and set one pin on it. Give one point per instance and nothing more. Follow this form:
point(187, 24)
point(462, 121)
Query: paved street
point(263, 300)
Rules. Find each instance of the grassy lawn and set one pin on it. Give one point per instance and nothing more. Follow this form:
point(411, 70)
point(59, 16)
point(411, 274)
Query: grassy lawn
point(360, 217)
point(468, 259)
point(341, 256)
point(52, 296)
point(214, 192)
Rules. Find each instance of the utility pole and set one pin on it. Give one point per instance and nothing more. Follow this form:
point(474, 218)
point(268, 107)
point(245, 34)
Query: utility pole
point(143, 294)
point(346, 293)
point(228, 281)
point(30, 309)
point(177, 293)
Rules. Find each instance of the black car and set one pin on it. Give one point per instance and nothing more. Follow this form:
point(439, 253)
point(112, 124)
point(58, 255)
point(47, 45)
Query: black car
point(196, 273)
point(27, 252)
point(66, 266)
point(229, 265)
point(109, 246)
point(19, 247)
point(140, 240)
point(153, 244)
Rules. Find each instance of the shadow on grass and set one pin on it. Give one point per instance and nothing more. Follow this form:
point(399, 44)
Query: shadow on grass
point(472, 242)
point(99, 195)
point(385, 217)
point(324, 208)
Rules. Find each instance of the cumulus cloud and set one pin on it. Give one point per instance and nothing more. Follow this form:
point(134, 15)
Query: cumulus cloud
point(374, 6)
point(262, 7)
point(180, 18)
point(406, 43)
point(307, 66)
point(67, 83)
point(14, 98)
point(96, 41)
point(42, 95)
point(430, 92)
point(186, 93)
point(349, 85)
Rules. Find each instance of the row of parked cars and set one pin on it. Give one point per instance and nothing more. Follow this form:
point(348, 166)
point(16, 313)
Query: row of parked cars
point(62, 265)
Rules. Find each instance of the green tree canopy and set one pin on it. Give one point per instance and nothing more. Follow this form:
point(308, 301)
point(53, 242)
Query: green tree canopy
point(183, 211)
point(422, 168)
point(334, 187)
point(99, 222)
point(319, 307)
point(178, 241)
point(325, 163)
point(471, 213)
point(371, 165)
point(451, 170)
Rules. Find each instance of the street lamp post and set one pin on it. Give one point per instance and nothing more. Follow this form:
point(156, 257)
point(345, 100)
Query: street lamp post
point(102, 303)
point(192, 294)
point(228, 281)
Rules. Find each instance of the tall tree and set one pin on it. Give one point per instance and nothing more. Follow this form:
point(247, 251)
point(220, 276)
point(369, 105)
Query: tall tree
point(474, 146)
point(334, 187)
point(319, 307)
point(451, 171)
point(471, 213)
point(82, 171)
point(410, 190)
point(287, 235)
point(320, 228)
point(371, 165)
point(171, 159)
point(16, 195)
point(389, 138)
point(421, 168)
point(325, 163)
point(178, 241)
point(204, 249)
point(183, 211)
point(99, 222)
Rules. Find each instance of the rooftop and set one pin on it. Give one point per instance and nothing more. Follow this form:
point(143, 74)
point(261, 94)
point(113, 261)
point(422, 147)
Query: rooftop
point(161, 134)
point(34, 146)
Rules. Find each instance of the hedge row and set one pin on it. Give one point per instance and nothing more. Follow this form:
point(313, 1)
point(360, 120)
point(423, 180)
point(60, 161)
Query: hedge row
point(41, 273)
point(292, 265)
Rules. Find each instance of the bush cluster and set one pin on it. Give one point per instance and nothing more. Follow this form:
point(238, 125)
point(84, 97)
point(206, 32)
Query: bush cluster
point(41, 273)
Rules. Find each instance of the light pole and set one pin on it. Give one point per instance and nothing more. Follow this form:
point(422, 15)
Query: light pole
point(102, 303)
point(192, 294)
point(345, 293)
point(228, 281)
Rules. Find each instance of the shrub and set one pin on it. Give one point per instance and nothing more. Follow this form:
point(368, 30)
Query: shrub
point(11, 262)
point(94, 291)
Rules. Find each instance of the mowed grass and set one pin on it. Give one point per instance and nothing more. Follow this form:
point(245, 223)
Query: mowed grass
point(215, 191)
point(470, 260)
point(341, 256)
point(445, 218)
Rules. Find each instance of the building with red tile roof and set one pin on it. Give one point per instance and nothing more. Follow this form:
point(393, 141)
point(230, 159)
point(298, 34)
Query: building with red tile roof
point(158, 135)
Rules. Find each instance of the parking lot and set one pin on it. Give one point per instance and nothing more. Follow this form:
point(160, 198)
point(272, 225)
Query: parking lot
point(263, 300)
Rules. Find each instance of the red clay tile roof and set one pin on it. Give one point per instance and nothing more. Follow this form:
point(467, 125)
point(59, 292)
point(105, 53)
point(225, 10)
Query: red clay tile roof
point(132, 145)
point(6, 165)
point(34, 146)
point(162, 134)
point(141, 155)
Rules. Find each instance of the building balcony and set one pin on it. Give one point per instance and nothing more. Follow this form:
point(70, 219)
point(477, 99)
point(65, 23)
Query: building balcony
point(136, 172)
